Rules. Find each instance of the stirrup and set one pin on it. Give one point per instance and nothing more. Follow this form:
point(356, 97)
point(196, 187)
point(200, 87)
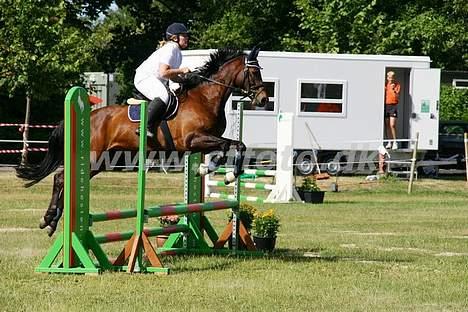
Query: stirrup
point(149, 134)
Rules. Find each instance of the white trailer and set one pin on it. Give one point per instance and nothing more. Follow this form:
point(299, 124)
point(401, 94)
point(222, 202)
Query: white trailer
point(338, 100)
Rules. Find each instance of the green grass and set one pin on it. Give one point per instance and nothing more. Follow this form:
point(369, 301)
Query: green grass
point(369, 247)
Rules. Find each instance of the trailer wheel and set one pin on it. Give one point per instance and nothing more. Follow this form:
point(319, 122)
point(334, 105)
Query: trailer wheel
point(334, 167)
point(305, 166)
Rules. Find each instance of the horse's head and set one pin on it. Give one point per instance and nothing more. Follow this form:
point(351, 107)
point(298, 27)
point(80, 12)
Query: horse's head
point(252, 81)
point(234, 70)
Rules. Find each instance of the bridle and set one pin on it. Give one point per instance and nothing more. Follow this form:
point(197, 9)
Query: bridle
point(251, 92)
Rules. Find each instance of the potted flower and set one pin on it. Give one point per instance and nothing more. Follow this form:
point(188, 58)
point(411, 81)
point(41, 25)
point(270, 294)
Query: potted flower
point(165, 221)
point(310, 192)
point(265, 227)
point(246, 216)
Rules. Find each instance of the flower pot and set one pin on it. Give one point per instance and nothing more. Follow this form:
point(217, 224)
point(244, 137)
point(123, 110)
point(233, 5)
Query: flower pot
point(240, 246)
point(161, 240)
point(265, 243)
point(312, 197)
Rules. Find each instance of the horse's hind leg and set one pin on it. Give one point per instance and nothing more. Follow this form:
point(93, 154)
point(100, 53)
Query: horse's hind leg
point(54, 211)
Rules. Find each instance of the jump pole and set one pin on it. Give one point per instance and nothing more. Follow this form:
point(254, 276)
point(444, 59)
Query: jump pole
point(199, 224)
point(139, 244)
point(284, 190)
point(69, 253)
point(193, 241)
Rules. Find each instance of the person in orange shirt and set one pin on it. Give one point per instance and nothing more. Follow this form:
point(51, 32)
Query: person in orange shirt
point(392, 95)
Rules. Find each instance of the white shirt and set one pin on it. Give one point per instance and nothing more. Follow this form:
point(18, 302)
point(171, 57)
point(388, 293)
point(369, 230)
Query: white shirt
point(168, 54)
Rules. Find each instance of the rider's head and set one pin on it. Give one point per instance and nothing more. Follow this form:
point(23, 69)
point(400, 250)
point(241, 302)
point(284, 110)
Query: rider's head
point(177, 32)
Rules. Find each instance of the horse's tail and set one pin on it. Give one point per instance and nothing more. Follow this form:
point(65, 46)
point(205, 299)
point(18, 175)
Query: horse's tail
point(52, 160)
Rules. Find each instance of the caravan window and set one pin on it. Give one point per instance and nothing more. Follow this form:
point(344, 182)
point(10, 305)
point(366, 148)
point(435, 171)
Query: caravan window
point(271, 88)
point(320, 97)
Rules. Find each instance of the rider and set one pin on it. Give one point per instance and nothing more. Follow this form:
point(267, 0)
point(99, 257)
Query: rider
point(152, 76)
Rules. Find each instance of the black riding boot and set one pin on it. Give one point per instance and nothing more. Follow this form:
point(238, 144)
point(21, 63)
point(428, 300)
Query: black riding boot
point(156, 109)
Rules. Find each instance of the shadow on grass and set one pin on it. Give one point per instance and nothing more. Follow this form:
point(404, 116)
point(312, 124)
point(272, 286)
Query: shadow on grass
point(307, 255)
point(189, 263)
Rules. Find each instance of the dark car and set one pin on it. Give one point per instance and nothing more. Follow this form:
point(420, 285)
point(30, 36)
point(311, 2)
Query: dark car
point(451, 147)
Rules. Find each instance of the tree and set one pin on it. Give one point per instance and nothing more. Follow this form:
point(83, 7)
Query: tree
point(40, 52)
point(243, 24)
point(434, 28)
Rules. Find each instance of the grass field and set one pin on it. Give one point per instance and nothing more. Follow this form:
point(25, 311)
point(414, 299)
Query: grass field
point(369, 247)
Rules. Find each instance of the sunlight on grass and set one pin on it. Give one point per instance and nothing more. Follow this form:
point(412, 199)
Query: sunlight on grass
point(369, 247)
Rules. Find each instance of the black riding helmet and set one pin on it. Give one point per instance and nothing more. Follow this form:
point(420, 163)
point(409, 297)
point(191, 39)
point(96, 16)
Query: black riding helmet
point(176, 29)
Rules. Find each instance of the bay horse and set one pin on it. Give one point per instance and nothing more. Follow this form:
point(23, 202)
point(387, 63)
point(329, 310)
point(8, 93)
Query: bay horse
point(197, 126)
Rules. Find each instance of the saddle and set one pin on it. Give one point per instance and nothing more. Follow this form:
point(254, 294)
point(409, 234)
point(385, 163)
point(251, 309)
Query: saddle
point(170, 113)
point(134, 106)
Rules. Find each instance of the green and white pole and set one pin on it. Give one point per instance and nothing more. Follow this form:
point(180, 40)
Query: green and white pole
point(237, 194)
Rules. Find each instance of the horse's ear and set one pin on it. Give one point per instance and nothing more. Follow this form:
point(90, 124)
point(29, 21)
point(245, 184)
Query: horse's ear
point(253, 54)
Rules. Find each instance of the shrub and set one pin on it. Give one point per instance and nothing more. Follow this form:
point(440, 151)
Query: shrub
point(453, 103)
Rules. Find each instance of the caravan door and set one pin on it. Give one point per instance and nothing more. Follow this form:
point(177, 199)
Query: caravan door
point(425, 107)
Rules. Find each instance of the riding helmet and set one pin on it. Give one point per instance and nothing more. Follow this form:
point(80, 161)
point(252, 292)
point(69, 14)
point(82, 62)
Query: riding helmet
point(176, 29)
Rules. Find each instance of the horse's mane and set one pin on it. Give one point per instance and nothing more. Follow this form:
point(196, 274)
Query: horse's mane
point(211, 67)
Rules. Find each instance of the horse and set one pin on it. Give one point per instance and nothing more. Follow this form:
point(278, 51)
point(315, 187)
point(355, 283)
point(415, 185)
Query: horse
point(197, 127)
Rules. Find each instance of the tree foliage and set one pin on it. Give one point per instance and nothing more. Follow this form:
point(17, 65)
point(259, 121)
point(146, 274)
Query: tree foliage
point(44, 46)
point(40, 51)
point(438, 29)
point(453, 103)
point(244, 24)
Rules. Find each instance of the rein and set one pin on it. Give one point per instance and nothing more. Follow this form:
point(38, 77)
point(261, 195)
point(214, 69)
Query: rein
point(221, 83)
point(246, 93)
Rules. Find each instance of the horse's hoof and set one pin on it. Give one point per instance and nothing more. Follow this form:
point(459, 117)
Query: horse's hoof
point(203, 170)
point(229, 178)
point(50, 230)
point(42, 223)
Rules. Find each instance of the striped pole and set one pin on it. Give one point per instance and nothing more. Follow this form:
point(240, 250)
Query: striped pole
point(249, 185)
point(164, 210)
point(257, 172)
point(122, 236)
point(242, 197)
point(168, 210)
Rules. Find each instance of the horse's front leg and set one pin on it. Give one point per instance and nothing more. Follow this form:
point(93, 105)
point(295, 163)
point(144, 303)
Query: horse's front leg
point(238, 162)
point(209, 143)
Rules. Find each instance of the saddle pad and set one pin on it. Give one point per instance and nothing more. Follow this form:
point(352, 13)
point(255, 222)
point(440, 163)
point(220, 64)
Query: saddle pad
point(134, 113)
point(172, 107)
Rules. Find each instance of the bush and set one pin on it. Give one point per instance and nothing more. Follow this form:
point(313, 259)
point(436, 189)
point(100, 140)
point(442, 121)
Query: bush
point(453, 103)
